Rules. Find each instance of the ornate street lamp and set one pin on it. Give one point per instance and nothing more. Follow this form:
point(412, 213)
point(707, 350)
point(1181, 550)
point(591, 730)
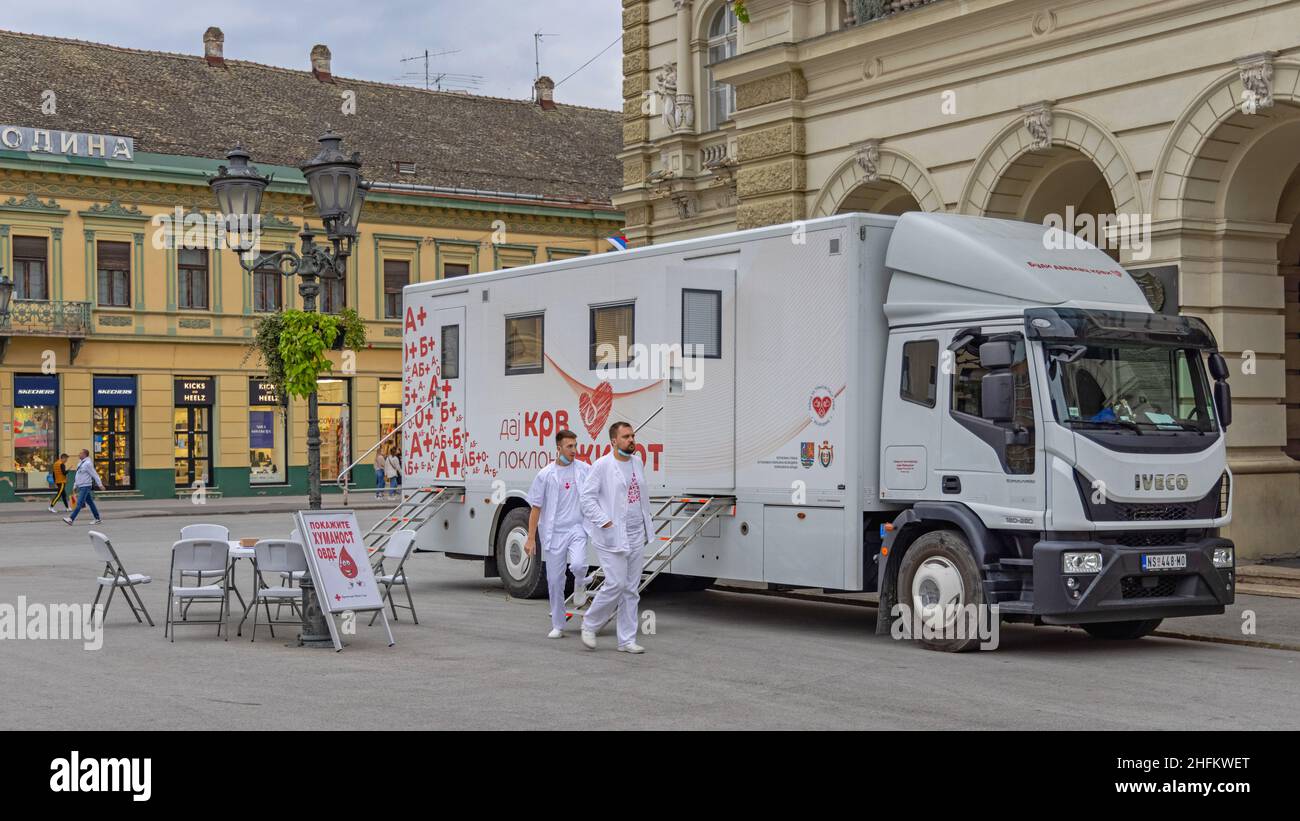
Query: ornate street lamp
point(334, 179)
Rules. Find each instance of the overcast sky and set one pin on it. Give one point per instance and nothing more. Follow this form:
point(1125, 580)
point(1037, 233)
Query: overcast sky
point(368, 38)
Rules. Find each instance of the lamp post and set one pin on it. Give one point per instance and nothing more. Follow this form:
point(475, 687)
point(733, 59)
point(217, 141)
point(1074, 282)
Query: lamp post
point(338, 191)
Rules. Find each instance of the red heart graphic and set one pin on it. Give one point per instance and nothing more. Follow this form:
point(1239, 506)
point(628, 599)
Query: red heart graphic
point(594, 407)
point(822, 405)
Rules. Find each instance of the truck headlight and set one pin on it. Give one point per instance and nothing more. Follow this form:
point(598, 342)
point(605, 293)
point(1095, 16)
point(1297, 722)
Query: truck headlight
point(1089, 562)
point(1223, 557)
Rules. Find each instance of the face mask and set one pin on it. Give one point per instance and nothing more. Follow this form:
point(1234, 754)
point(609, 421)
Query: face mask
point(627, 453)
point(565, 460)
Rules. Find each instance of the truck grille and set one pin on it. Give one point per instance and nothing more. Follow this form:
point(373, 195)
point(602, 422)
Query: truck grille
point(1151, 539)
point(1173, 512)
point(1149, 587)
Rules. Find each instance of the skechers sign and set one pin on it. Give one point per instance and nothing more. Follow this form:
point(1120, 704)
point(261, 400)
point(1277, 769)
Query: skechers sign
point(1160, 481)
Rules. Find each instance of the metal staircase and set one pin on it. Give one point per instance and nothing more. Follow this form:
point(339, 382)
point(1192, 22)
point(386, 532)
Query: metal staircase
point(411, 513)
point(677, 520)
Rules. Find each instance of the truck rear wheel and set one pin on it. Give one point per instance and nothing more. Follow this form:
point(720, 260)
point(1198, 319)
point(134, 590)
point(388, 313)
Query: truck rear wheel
point(523, 576)
point(1122, 630)
point(938, 580)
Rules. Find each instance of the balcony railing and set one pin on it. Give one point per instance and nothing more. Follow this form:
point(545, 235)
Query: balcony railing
point(862, 11)
point(44, 318)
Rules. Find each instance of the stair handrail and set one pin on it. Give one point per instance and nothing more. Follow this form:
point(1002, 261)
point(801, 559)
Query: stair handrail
point(346, 474)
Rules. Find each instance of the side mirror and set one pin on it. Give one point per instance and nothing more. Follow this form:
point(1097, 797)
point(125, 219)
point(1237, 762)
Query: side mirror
point(1218, 366)
point(1223, 402)
point(996, 355)
point(998, 396)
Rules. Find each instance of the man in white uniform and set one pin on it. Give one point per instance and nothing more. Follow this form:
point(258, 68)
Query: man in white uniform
point(554, 496)
point(616, 507)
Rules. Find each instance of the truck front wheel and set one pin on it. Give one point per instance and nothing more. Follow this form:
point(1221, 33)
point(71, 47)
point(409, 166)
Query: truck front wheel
point(523, 576)
point(939, 581)
point(1122, 630)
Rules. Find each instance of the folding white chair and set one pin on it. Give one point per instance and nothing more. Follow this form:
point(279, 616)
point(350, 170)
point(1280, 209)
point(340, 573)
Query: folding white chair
point(295, 576)
point(285, 558)
point(115, 576)
point(201, 531)
point(398, 548)
point(192, 556)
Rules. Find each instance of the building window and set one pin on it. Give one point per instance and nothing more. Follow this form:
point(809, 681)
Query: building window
point(30, 267)
point(454, 269)
point(390, 408)
point(920, 372)
point(611, 335)
point(36, 430)
point(524, 344)
point(702, 323)
point(397, 275)
point(722, 45)
point(113, 261)
point(335, 426)
point(268, 293)
point(333, 294)
point(268, 429)
point(450, 364)
point(192, 279)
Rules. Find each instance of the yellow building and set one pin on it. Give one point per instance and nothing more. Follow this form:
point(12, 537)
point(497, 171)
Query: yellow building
point(119, 342)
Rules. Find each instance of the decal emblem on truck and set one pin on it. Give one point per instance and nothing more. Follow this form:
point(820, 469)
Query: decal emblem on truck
point(1160, 481)
point(827, 453)
point(820, 405)
point(594, 407)
point(807, 453)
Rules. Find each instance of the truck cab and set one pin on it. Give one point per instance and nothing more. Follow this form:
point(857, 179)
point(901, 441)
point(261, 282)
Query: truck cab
point(1058, 447)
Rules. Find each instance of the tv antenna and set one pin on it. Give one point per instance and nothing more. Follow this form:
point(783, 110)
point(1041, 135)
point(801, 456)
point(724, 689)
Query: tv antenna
point(537, 52)
point(435, 81)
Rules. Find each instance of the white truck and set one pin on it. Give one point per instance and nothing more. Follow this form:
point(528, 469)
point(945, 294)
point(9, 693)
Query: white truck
point(948, 410)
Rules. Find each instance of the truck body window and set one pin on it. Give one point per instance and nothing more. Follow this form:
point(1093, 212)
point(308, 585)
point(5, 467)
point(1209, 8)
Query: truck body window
point(920, 372)
point(702, 323)
point(450, 352)
point(525, 344)
point(612, 328)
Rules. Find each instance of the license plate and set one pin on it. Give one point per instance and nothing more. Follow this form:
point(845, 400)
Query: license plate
point(1164, 561)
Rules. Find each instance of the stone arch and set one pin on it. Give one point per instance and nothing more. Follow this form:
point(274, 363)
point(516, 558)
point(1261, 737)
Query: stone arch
point(1185, 169)
point(1070, 129)
point(894, 167)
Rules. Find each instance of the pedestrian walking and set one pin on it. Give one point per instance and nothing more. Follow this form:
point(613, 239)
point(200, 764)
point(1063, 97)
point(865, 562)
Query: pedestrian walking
point(381, 457)
point(60, 473)
point(555, 497)
point(84, 483)
point(616, 508)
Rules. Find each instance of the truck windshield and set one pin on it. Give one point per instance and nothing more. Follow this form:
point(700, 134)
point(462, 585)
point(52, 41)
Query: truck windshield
point(1129, 371)
point(1129, 387)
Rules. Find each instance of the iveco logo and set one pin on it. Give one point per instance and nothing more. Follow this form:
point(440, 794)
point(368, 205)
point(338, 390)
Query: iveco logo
point(1160, 481)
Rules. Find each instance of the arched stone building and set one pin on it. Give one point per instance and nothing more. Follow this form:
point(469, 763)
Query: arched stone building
point(1178, 121)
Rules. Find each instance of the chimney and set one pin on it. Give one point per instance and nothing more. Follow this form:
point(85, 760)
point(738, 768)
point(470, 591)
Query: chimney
point(213, 44)
point(544, 93)
point(320, 64)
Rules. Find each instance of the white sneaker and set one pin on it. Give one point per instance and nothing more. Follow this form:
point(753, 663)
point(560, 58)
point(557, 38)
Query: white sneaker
point(588, 639)
point(580, 594)
point(52, 510)
point(555, 633)
point(98, 522)
point(631, 648)
point(66, 519)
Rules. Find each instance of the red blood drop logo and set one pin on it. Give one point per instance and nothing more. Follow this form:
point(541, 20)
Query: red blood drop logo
point(346, 565)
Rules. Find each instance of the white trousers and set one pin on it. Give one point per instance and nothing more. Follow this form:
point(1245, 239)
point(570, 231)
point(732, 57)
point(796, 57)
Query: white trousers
point(569, 551)
point(619, 592)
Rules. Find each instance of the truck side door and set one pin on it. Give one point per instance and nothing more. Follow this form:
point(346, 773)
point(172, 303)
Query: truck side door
point(990, 464)
point(910, 417)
